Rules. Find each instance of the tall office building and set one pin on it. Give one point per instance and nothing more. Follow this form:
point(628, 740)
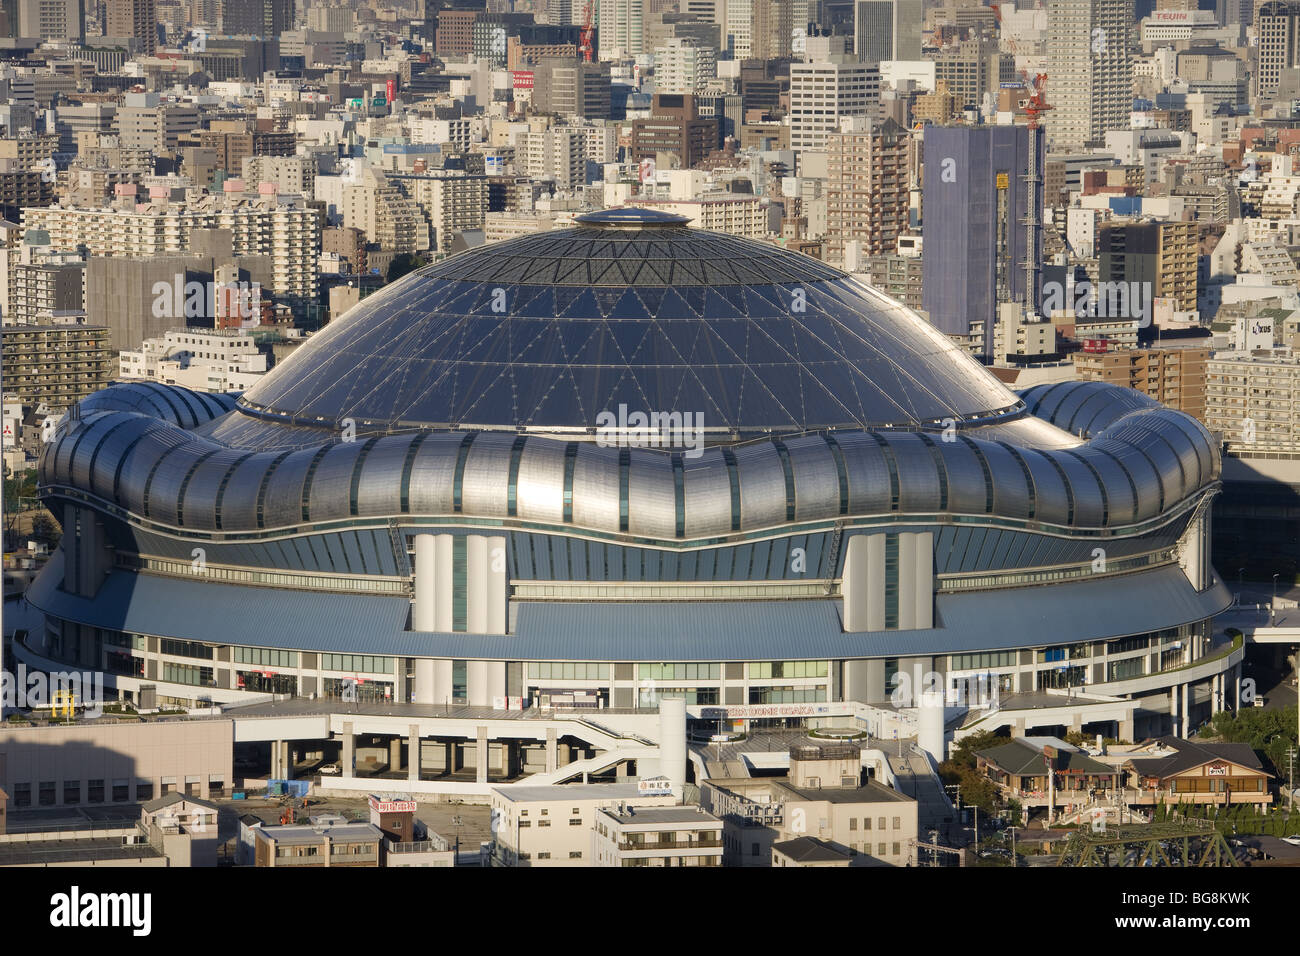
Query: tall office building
point(974, 205)
point(887, 30)
point(51, 19)
point(135, 19)
point(263, 18)
point(619, 28)
point(739, 19)
point(563, 12)
point(772, 30)
point(1090, 70)
point(1278, 26)
point(973, 70)
point(822, 92)
point(570, 87)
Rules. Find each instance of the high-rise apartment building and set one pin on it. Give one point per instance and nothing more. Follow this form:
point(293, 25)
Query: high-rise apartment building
point(823, 92)
point(1250, 397)
point(1164, 255)
point(133, 19)
point(867, 188)
point(450, 203)
point(684, 65)
point(55, 364)
point(1090, 70)
point(975, 202)
point(288, 231)
point(558, 154)
point(887, 30)
point(1173, 376)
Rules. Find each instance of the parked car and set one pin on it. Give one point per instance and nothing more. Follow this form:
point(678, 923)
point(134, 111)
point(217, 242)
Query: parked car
point(331, 769)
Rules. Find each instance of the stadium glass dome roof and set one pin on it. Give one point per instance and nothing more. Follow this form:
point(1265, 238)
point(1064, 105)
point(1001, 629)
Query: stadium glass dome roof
point(631, 307)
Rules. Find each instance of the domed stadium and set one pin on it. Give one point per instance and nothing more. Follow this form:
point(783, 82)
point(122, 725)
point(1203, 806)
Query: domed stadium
point(600, 466)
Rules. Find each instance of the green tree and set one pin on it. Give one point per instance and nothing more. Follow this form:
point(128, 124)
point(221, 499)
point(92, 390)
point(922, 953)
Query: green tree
point(404, 263)
point(976, 789)
point(1269, 732)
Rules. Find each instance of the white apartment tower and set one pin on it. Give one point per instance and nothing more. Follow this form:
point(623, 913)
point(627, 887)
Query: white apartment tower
point(619, 28)
point(684, 65)
point(1089, 69)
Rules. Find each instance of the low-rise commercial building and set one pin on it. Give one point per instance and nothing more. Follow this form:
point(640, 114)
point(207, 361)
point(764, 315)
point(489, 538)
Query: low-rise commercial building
point(657, 836)
point(808, 852)
point(104, 762)
point(307, 845)
point(553, 825)
point(824, 797)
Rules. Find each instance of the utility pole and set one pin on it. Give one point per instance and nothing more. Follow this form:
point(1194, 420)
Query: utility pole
point(1290, 759)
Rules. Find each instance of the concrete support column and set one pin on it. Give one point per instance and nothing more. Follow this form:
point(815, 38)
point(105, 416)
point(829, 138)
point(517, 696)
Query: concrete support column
point(427, 599)
point(286, 759)
point(907, 589)
point(476, 676)
point(394, 754)
point(495, 674)
point(413, 752)
point(551, 748)
point(275, 759)
point(1185, 711)
point(1126, 730)
point(1236, 687)
point(1018, 727)
point(349, 751)
point(481, 756)
point(442, 678)
point(476, 585)
point(1175, 726)
point(425, 681)
point(1076, 723)
point(449, 758)
point(497, 586)
point(863, 583)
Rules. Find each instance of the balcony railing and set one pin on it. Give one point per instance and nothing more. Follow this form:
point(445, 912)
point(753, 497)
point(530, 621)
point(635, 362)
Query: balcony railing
point(704, 844)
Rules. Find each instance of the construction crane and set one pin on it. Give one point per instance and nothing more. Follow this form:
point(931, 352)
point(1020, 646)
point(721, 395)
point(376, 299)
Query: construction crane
point(588, 32)
point(1035, 105)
